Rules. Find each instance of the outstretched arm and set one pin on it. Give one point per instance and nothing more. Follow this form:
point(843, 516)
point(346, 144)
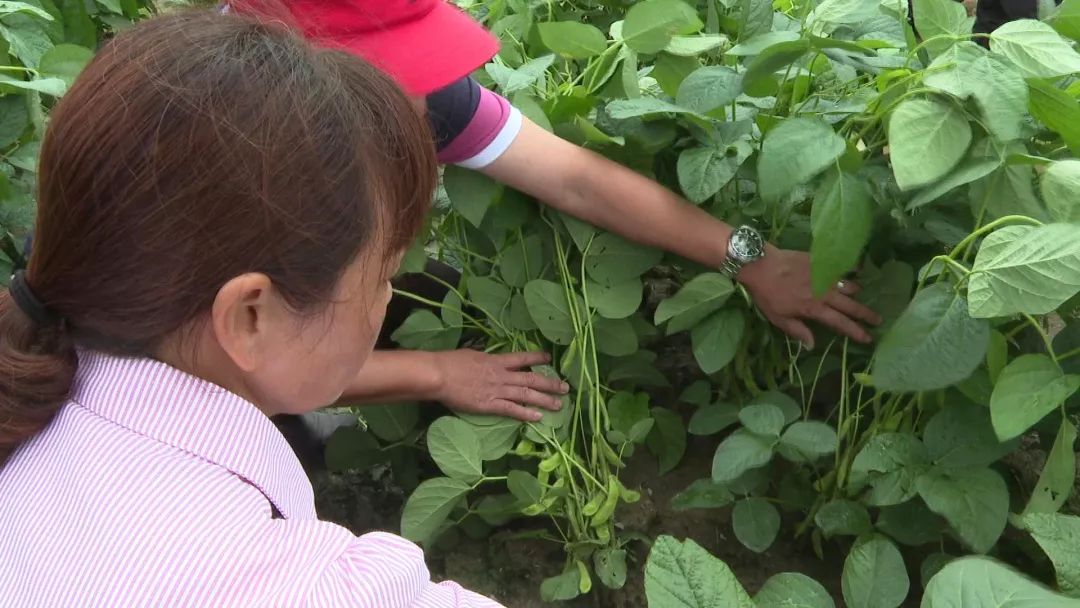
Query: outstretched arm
point(584, 184)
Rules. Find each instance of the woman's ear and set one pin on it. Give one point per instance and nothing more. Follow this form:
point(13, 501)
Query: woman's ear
point(243, 318)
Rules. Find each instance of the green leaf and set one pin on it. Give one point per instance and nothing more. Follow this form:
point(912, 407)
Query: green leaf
point(975, 502)
point(455, 447)
point(759, 77)
point(610, 566)
point(651, 24)
point(622, 109)
point(792, 410)
point(613, 259)
point(350, 448)
point(927, 138)
point(491, 297)
point(939, 18)
point(842, 518)
point(683, 575)
point(422, 330)
point(391, 423)
point(1059, 536)
point(755, 17)
point(1007, 191)
point(830, 13)
point(702, 494)
point(549, 309)
point(471, 193)
point(667, 441)
point(1025, 270)
point(874, 574)
point(616, 301)
point(14, 119)
point(497, 439)
point(716, 340)
point(1066, 19)
point(1056, 109)
point(711, 419)
point(911, 523)
point(1058, 475)
point(511, 81)
point(840, 222)
point(49, 86)
point(1060, 188)
point(697, 299)
point(615, 337)
point(965, 173)
point(889, 463)
point(525, 487)
point(792, 590)
point(886, 290)
point(28, 40)
point(670, 71)
point(10, 8)
point(627, 409)
point(698, 393)
point(1029, 388)
point(934, 344)
point(961, 435)
point(428, 507)
point(703, 171)
point(967, 70)
point(65, 61)
point(692, 46)
point(979, 581)
point(78, 27)
point(759, 43)
point(1035, 48)
point(793, 152)
point(756, 523)
point(111, 5)
point(572, 39)
point(563, 587)
point(709, 88)
point(807, 441)
point(522, 261)
point(738, 453)
point(764, 419)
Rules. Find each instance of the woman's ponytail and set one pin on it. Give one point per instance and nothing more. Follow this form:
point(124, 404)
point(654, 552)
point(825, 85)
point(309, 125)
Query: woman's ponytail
point(37, 367)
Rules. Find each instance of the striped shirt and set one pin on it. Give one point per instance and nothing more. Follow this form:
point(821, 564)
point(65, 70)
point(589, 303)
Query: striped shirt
point(152, 487)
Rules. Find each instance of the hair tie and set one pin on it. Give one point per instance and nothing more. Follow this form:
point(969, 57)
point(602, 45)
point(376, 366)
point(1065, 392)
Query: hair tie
point(29, 303)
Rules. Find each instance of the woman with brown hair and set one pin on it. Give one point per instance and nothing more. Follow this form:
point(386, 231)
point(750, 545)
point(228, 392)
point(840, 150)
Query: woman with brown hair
point(220, 209)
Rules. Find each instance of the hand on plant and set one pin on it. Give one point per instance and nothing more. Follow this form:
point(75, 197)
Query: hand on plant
point(479, 383)
point(780, 286)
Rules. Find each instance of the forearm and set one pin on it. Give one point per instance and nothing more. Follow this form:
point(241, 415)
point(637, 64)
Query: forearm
point(588, 186)
point(624, 202)
point(390, 376)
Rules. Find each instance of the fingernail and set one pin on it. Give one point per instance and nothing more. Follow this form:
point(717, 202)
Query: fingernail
point(565, 387)
point(536, 416)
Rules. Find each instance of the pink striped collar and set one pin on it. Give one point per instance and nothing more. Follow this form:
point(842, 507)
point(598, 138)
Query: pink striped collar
point(161, 402)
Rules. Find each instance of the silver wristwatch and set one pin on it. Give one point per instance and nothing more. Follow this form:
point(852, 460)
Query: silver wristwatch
point(744, 246)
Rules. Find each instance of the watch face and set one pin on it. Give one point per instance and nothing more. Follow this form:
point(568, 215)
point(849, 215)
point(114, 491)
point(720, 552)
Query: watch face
point(746, 244)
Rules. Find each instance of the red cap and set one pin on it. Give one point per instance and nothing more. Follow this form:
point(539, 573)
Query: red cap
point(424, 45)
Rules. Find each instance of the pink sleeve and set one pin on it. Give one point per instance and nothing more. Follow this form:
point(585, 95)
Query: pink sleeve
point(492, 129)
point(381, 570)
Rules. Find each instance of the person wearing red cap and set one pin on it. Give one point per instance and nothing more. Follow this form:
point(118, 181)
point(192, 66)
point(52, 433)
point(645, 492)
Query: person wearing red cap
point(430, 47)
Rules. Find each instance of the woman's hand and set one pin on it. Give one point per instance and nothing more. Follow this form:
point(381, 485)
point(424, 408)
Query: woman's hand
point(479, 383)
point(780, 286)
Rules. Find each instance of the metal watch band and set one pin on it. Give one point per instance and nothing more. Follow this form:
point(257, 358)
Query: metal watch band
point(730, 267)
